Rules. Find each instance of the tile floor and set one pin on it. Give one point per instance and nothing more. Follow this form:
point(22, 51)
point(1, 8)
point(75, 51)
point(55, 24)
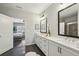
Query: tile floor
point(18, 50)
point(21, 50)
point(34, 48)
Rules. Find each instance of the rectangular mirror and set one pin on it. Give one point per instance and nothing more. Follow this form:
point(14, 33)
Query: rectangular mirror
point(68, 21)
point(43, 25)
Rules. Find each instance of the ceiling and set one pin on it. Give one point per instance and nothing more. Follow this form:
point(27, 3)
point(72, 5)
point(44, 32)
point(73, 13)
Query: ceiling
point(29, 7)
point(73, 10)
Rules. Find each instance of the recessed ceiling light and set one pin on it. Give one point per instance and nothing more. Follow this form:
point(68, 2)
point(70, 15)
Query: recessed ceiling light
point(19, 7)
point(61, 3)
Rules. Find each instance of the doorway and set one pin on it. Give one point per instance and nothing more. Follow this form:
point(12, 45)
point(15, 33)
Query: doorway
point(19, 36)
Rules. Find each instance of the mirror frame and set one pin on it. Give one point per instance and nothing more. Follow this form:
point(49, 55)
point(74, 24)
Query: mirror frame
point(45, 24)
point(59, 22)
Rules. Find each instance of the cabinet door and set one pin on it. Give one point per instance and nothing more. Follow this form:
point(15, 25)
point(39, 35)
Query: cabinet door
point(37, 40)
point(40, 43)
point(53, 49)
point(45, 46)
point(66, 52)
point(6, 33)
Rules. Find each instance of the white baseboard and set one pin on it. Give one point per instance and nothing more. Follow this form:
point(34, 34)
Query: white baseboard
point(29, 44)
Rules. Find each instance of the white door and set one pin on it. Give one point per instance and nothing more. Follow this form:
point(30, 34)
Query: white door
point(6, 33)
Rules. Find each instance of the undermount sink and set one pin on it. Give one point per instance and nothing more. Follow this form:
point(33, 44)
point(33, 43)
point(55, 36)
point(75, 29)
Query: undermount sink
point(70, 40)
point(73, 42)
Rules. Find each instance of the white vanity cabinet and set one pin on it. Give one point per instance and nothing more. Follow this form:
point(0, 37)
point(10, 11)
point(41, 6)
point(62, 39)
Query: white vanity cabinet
point(42, 43)
point(53, 49)
point(56, 49)
point(37, 40)
point(66, 52)
point(50, 47)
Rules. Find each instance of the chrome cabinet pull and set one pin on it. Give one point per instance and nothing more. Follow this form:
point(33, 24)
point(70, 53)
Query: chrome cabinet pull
point(58, 50)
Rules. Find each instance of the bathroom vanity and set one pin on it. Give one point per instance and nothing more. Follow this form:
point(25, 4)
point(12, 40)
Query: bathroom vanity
point(68, 26)
point(56, 46)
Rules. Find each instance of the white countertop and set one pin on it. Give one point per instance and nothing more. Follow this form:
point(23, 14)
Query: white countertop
point(62, 41)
